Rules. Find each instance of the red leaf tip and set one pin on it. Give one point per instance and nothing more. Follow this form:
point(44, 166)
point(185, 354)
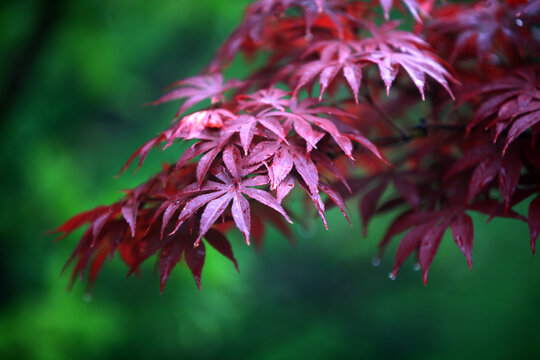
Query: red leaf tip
point(425, 277)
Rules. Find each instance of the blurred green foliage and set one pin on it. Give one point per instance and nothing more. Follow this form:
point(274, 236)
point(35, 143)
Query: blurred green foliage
point(77, 116)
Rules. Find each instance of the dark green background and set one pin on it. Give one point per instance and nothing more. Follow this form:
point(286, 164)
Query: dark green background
point(74, 77)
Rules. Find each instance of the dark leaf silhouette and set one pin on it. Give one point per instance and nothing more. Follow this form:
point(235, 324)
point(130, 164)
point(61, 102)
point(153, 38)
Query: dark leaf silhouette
point(462, 231)
point(482, 28)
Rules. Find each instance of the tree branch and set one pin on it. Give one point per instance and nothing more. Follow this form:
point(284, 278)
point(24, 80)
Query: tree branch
point(386, 118)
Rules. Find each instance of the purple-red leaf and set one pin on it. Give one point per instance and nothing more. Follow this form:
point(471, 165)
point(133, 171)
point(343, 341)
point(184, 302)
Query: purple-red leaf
point(129, 212)
point(369, 146)
point(221, 244)
point(232, 159)
point(270, 97)
point(412, 5)
point(353, 75)
point(284, 188)
point(195, 261)
point(408, 190)
point(482, 175)
point(403, 222)
point(194, 204)
point(307, 170)
point(261, 152)
point(463, 233)
point(169, 257)
point(168, 214)
point(80, 219)
point(410, 242)
point(520, 125)
point(212, 212)
point(143, 151)
point(198, 88)
point(282, 165)
point(266, 199)
point(428, 247)
point(241, 214)
point(509, 175)
point(336, 198)
point(204, 164)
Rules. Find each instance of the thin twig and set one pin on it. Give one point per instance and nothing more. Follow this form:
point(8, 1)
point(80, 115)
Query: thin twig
point(386, 118)
point(420, 130)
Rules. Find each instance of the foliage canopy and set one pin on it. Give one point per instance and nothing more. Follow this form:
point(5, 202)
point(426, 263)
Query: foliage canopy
point(334, 111)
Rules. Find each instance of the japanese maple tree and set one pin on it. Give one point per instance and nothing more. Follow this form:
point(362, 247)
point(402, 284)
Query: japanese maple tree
point(350, 105)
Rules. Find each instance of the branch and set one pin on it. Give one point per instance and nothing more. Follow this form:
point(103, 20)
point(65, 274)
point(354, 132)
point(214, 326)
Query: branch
point(420, 130)
point(386, 118)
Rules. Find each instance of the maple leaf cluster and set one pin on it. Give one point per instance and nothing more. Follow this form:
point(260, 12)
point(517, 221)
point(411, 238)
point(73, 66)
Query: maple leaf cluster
point(333, 112)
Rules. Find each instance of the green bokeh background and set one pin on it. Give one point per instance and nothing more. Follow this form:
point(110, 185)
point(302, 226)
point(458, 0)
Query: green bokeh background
point(73, 117)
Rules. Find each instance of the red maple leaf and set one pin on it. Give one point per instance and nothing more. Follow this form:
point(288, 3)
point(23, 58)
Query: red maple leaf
point(198, 88)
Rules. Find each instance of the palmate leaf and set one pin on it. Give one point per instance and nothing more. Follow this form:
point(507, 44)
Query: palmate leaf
point(312, 114)
point(484, 28)
point(109, 232)
point(467, 187)
point(280, 159)
point(335, 58)
point(251, 149)
point(247, 127)
point(198, 88)
point(143, 151)
point(303, 114)
point(289, 162)
point(182, 243)
point(215, 197)
point(260, 13)
point(210, 149)
point(282, 164)
point(429, 245)
point(425, 235)
point(264, 98)
point(511, 103)
point(487, 166)
point(200, 125)
point(388, 48)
